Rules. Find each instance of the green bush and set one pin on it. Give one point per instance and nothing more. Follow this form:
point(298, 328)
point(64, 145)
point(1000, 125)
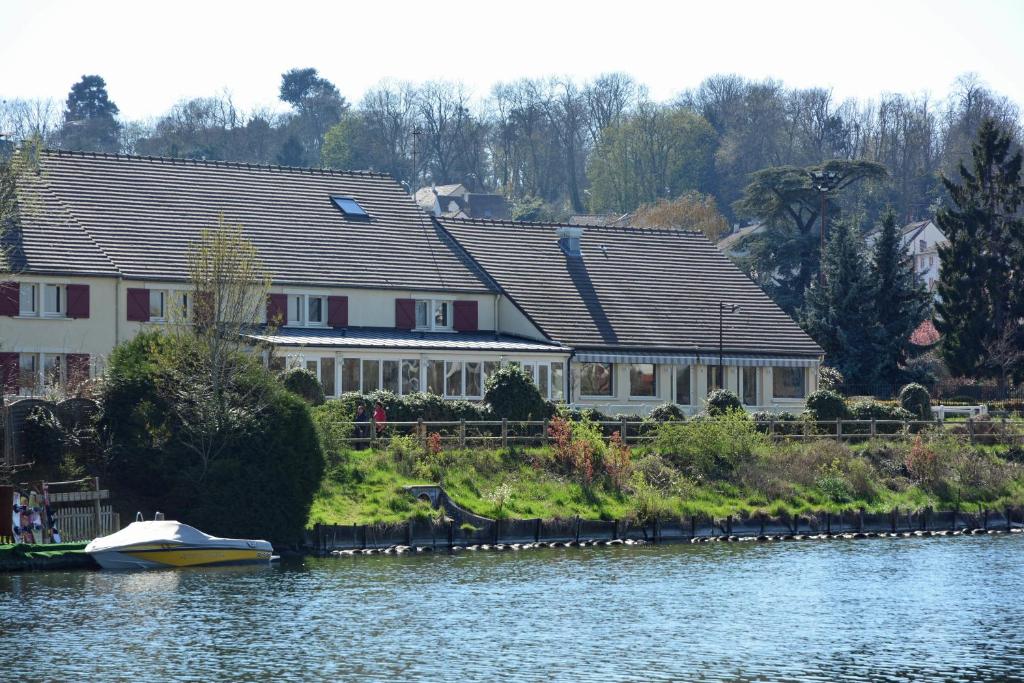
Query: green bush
point(826, 404)
point(246, 465)
point(710, 448)
point(303, 384)
point(511, 394)
point(667, 412)
point(886, 412)
point(721, 401)
point(914, 399)
point(413, 407)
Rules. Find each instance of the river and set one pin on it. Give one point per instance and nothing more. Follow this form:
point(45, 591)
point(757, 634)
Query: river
point(882, 609)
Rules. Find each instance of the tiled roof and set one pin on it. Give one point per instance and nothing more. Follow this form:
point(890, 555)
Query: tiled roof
point(633, 288)
point(137, 215)
point(386, 338)
point(925, 334)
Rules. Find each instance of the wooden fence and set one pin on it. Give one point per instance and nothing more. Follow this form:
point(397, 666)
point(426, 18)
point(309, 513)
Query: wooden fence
point(505, 433)
point(79, 523)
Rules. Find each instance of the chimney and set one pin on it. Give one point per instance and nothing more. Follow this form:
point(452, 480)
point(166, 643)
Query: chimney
point(569, 239)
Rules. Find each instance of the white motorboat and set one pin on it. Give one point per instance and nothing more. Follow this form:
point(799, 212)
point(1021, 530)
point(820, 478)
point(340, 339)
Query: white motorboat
point(160, 544)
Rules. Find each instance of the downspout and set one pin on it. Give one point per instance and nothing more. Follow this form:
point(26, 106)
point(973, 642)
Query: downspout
point(497, 314)
point(117, 310)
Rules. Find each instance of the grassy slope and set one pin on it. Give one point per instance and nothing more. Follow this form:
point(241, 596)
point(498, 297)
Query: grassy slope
point(365, 486)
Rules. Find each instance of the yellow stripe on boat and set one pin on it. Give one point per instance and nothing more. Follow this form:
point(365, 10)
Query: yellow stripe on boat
point(188, 557)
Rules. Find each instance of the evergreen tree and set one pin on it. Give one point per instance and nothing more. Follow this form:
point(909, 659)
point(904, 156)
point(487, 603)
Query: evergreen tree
point(90, 118)
point(982, 296)
point(901, 301)
point(838, 313)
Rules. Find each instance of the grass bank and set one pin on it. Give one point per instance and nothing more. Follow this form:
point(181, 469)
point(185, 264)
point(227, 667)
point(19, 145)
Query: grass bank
point(720, 468)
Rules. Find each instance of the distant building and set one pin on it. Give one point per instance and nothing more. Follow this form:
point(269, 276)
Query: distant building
point(456, 201)
point(921, 240)
point(604, 220)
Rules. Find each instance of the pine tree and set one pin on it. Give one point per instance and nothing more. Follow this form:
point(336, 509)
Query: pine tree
point(982, 280)
point(90, 118)
point(838, 314)
point(901, 301)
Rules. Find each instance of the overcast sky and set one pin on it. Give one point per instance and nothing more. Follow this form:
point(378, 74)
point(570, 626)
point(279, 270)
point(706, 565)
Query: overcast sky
point(154, 54)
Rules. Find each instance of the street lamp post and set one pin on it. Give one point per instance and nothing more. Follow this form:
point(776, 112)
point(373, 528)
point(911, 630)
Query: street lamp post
point(824, 182)
point(722, 307)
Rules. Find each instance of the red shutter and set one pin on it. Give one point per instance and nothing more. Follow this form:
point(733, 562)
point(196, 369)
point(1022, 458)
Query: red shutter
point(9, 372)
point(10, 303)
point(78, 301)
point(202, 309)
point(78, 368)
point(337, 311)
point(138, 304)
point(464, 316)
point(405, 314)
point(277, 309)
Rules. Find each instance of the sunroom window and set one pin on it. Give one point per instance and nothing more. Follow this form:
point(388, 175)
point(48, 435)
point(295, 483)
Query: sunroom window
point(596, 379)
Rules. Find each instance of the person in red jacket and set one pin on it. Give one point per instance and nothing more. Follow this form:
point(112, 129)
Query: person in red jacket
point(380, 417)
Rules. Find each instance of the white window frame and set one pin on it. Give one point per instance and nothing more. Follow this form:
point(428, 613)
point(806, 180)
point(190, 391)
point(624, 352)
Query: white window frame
point(39, 360)
point(790, 399)
point(689, 385)
point(35, 288)
point(532, 369)
point(741, 384)
point(62, 301)
point(432, 304)
point(612, 369)
point(302, 306)
point(641, 397)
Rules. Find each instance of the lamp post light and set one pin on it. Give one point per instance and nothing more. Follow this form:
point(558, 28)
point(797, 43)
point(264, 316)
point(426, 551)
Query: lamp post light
point(722, 308)
point(824, 182)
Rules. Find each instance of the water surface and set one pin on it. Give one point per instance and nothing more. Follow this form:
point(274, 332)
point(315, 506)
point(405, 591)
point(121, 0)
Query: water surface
point(883, 609)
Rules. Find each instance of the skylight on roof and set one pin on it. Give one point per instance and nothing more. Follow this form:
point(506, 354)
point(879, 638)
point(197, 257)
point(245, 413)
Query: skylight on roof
point(349, 206)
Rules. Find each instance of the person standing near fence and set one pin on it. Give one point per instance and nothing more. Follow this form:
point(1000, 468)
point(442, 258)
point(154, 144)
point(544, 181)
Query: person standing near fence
point(362, 426)
point(380, 417)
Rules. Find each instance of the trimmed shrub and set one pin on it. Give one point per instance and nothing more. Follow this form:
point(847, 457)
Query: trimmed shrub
point(721, 401)
point(667, 412)
point(826, 404)
point(511, 394)
point(866, 410)
point(914, 398)
point(303, 384)
point(785, 423)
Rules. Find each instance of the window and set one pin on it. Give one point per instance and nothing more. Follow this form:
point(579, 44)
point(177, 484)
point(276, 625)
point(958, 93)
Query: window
point(371, 376)
point(157, 301)
point(410, 376)
point(53, 300)
point(435, 377)
point(28, 371)
point(389, 376)
point(474, 380)
point(922, 245)
point(749, 377)
point(350, 375)
point(327, 366)
point(683, 385)
point(349, 206)
point(557, 381)
point(432, 314)
point(788, 383)
point(596, 379)
point(453, 378)
point(306, 310)
point(716, 377)
point(642, 380)
point(27, 294)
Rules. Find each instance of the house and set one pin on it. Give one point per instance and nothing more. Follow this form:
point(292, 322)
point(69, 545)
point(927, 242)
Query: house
point(457, 201)
point(371, 292)
point(921, 241)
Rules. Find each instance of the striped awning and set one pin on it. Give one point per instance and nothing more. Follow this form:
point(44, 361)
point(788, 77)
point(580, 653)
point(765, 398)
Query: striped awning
point(691, 359)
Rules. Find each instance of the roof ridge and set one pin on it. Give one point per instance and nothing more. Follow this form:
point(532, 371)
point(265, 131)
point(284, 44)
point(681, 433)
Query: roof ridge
point(594, 226)
point(215, 163)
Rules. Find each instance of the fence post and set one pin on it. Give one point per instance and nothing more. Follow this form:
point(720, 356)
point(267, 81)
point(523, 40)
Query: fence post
point(622, 431)
point(771, 428)
point(373, 432)
point(970, 428)
point(544, 434)
point(839, 430)
point(462, 433)
point(96, 507)
point(906, 426)
point(504, 433)
point(421, 432)
point(874, 427)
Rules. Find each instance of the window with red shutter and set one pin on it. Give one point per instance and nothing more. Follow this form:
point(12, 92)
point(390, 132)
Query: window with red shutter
point(277, 309)
point(9, 298)
point(337, 311)
point(78, 301)
point(405, 314)
point(465, 317)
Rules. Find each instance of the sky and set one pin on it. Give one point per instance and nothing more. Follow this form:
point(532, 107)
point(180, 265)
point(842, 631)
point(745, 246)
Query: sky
point(155, 54)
